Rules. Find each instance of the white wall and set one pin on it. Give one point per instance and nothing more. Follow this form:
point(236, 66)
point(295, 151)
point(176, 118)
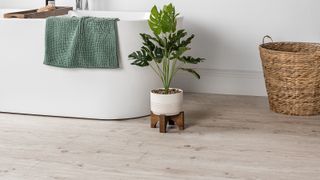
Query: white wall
point(228, 33)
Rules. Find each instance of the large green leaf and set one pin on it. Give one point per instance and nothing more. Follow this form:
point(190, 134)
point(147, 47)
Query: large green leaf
point(179, 52)
point(187, 41)
point(193, 72)
point(155, 20)
point(163, 21)
point(174, 39)
point(147, 42)
point(160, 41)
point(168, 19)
point(191, 60)
point(179, 35)
point(141, 58)
point(159, 54)
point(155, 39)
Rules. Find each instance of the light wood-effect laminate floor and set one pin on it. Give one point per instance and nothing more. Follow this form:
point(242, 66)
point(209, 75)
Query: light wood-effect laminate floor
point(227, 137)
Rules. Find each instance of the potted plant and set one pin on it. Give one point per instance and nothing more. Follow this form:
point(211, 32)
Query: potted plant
point(164, 53)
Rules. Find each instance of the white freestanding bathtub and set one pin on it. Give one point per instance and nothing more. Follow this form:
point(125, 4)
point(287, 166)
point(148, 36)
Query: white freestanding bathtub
point(29, 87)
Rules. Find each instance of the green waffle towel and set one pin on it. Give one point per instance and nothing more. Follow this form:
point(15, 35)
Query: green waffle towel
point(81, 42)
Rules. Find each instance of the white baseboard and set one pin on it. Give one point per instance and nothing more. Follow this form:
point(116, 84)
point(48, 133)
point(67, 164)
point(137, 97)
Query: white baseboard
point(235, 82)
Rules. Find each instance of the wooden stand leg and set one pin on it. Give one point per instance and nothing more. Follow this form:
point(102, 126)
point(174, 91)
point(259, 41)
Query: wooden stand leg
point(180, 121)
point(163, 124)
point(154, 120)
point(177, 120)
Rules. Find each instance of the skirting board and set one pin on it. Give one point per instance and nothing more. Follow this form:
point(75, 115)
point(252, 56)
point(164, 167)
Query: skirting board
point(216, 81)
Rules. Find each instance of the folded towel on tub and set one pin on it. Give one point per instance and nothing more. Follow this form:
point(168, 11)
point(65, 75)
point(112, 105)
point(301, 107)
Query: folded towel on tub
point(81, 42)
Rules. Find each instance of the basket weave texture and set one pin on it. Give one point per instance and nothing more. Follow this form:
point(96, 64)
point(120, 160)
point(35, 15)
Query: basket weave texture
point(292, 76)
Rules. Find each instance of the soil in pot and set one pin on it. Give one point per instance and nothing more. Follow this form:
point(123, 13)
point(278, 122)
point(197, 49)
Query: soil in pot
point(162, 91)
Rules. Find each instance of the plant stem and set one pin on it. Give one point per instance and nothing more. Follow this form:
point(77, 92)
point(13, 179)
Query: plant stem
point(156, 72)
point(166, 86)
point(158, 67)
point(173, 70)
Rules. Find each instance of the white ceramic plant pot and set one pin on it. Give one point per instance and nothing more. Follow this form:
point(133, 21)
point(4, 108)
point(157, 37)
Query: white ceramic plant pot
point(166, 104)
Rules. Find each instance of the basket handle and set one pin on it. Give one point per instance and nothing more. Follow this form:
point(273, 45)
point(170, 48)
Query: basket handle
point(266, 37)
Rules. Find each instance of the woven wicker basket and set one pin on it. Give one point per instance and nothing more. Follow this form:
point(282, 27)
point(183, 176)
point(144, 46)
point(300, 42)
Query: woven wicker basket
point(292, 75)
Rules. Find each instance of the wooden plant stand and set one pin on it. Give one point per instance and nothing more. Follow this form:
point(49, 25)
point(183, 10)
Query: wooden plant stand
point(177, 120)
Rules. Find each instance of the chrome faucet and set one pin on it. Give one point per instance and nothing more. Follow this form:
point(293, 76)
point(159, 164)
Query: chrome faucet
point(50, 2)
point(82, 5)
